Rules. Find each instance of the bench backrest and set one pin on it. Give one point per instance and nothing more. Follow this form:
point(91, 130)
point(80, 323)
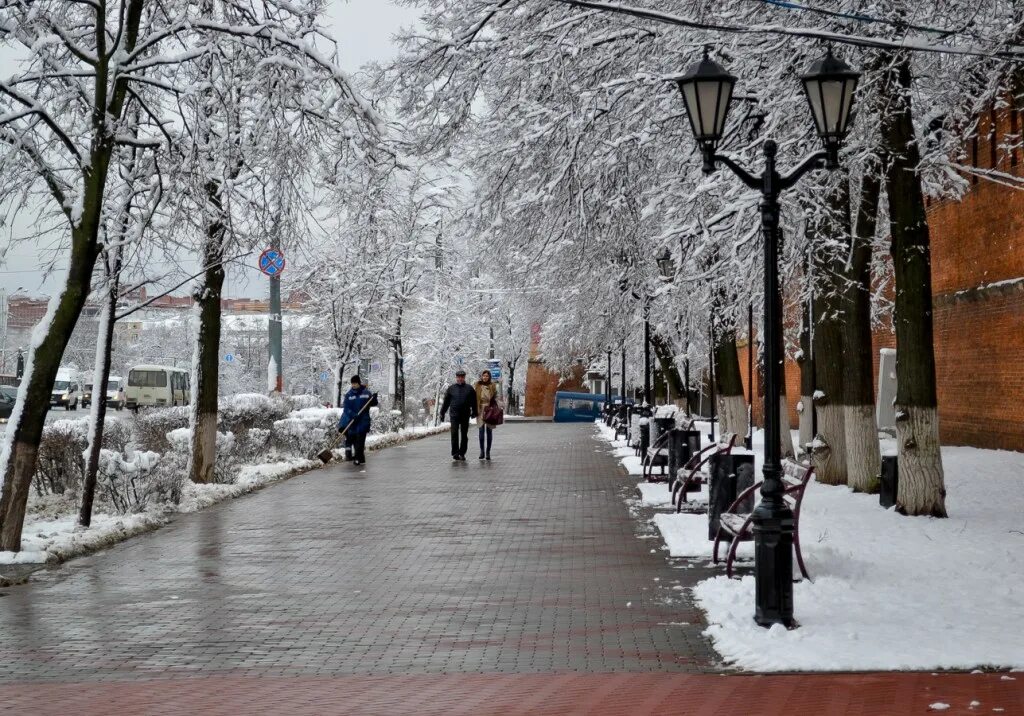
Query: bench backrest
point(795, 476)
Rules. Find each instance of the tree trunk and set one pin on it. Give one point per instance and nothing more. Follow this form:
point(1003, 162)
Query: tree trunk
point(26, 425)
point(922, 488)
point(667, 361)
point(786, 434)
point(399, 368)
point(806, 363)
point(101, 373)
point(729, 385)
point(206, 360)
point(829, 450)
point(863, 459)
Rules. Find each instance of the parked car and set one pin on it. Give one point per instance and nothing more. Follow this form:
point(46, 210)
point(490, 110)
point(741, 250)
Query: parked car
point(8, 394)
point(67, 391)
point(87, 395)
point(115, 392)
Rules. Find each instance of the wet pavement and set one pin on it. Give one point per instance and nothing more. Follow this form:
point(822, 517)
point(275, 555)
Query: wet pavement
point(529, 563)
point(417, 586)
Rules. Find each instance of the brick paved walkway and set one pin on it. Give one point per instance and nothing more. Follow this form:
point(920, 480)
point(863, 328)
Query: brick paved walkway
point(417, 565)
point(417, 586)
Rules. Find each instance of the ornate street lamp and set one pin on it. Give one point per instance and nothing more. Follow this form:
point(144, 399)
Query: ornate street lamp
point(707, 91)
point(666, 266)
point(829, 84)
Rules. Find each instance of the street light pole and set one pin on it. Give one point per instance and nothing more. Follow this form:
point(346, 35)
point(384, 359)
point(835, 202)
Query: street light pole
point(622, 377)
point(707, 92)
point(608, 380)
point(647, 355)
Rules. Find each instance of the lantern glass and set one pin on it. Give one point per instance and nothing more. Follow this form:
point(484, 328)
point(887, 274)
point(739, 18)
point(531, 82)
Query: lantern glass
point(830, 85)
point(707, 92)
point(666, 266)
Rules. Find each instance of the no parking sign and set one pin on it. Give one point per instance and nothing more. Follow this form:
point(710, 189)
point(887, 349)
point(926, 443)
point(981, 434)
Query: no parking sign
point(272, 262)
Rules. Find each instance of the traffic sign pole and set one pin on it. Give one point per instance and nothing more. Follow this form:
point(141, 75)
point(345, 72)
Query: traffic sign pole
point(272, 264)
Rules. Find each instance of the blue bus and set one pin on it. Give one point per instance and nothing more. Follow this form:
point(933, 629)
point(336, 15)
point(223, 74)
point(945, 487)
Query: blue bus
point(580, 407)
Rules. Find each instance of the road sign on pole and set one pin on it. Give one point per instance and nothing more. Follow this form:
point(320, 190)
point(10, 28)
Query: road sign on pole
point(229, 358)
point(325, 376)
point(272, 262)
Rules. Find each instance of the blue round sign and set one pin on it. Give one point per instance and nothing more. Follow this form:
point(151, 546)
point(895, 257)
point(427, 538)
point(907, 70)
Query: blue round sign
point(325, 376)
point(272, 262)
point(229, 358)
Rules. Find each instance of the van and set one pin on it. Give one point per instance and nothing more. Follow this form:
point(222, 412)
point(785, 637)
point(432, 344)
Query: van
point(115, 392)
point(157, 385)
point(66, 391)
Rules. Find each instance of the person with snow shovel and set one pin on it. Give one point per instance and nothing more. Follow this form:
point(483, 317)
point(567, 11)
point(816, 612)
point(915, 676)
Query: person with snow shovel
point(357, 419)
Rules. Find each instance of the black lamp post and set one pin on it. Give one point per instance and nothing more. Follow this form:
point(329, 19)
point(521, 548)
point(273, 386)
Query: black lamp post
point(646, 405)
point(707, 91)
point(608, 382)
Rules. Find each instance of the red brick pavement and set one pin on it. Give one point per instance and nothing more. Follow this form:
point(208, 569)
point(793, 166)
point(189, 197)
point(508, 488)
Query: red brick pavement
point(535, 694)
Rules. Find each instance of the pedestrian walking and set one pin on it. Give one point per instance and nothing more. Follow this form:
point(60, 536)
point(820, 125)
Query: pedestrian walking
point(486, 395)
point(357, 419)
point(460, 402)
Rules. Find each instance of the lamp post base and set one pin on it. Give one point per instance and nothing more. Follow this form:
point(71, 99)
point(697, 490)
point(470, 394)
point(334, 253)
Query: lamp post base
point(773, 564)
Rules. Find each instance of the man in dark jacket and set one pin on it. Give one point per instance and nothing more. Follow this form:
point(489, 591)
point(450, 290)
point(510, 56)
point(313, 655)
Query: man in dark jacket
point(460, 398)
point(356, 403)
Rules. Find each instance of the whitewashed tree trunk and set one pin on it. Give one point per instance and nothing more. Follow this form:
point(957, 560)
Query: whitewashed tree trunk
point(734, 416)
point(922, 488)
point(785, 435)
point(806, 420)
point(863, 458)
point(829, 452)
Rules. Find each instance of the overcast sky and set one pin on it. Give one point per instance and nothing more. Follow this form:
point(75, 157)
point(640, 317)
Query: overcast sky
point(363, 29)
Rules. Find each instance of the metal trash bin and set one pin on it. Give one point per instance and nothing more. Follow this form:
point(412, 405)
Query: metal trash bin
point(889, 481)
point(729, 476)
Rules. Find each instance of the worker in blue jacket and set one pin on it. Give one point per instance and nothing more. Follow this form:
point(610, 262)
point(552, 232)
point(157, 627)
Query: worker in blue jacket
point(357, 403)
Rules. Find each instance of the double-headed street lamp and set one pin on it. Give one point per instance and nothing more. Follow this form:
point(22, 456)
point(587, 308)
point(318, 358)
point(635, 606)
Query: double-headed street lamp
point(707, 91)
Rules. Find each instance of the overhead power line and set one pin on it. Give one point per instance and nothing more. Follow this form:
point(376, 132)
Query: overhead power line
point(859, 17)
point(1010, 53)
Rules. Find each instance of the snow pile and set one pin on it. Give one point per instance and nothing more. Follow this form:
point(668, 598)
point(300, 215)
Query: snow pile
point(892, 592)
point(666, 411)
point(60, 539)
point(889, 592)
point(686, 535)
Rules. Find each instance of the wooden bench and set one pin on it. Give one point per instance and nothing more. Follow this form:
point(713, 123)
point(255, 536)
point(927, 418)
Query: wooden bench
point(739, 525)
point(681, 485)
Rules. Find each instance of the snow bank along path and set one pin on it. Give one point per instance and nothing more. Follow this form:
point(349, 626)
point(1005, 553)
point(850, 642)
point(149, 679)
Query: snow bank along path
point(60, 539)
point(889, 592)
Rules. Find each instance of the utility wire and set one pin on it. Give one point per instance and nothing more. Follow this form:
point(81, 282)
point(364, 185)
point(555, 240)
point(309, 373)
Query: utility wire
point(1013, 53)
point(945, 32)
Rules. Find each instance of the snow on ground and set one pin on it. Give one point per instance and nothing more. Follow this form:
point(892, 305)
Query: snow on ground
point(50, 538)
point(889, 592)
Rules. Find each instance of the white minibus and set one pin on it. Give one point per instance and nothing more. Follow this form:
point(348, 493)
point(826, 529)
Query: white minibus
point(157, 385)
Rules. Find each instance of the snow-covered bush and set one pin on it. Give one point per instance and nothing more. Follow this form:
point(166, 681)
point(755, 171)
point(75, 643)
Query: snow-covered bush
point(60, 466)
point(253, 446)
point(152, 427)
point(298, 402)
point(226, 465)
point(126, 482)
point(117, 435)
point(305, 431)
point(241, 413)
